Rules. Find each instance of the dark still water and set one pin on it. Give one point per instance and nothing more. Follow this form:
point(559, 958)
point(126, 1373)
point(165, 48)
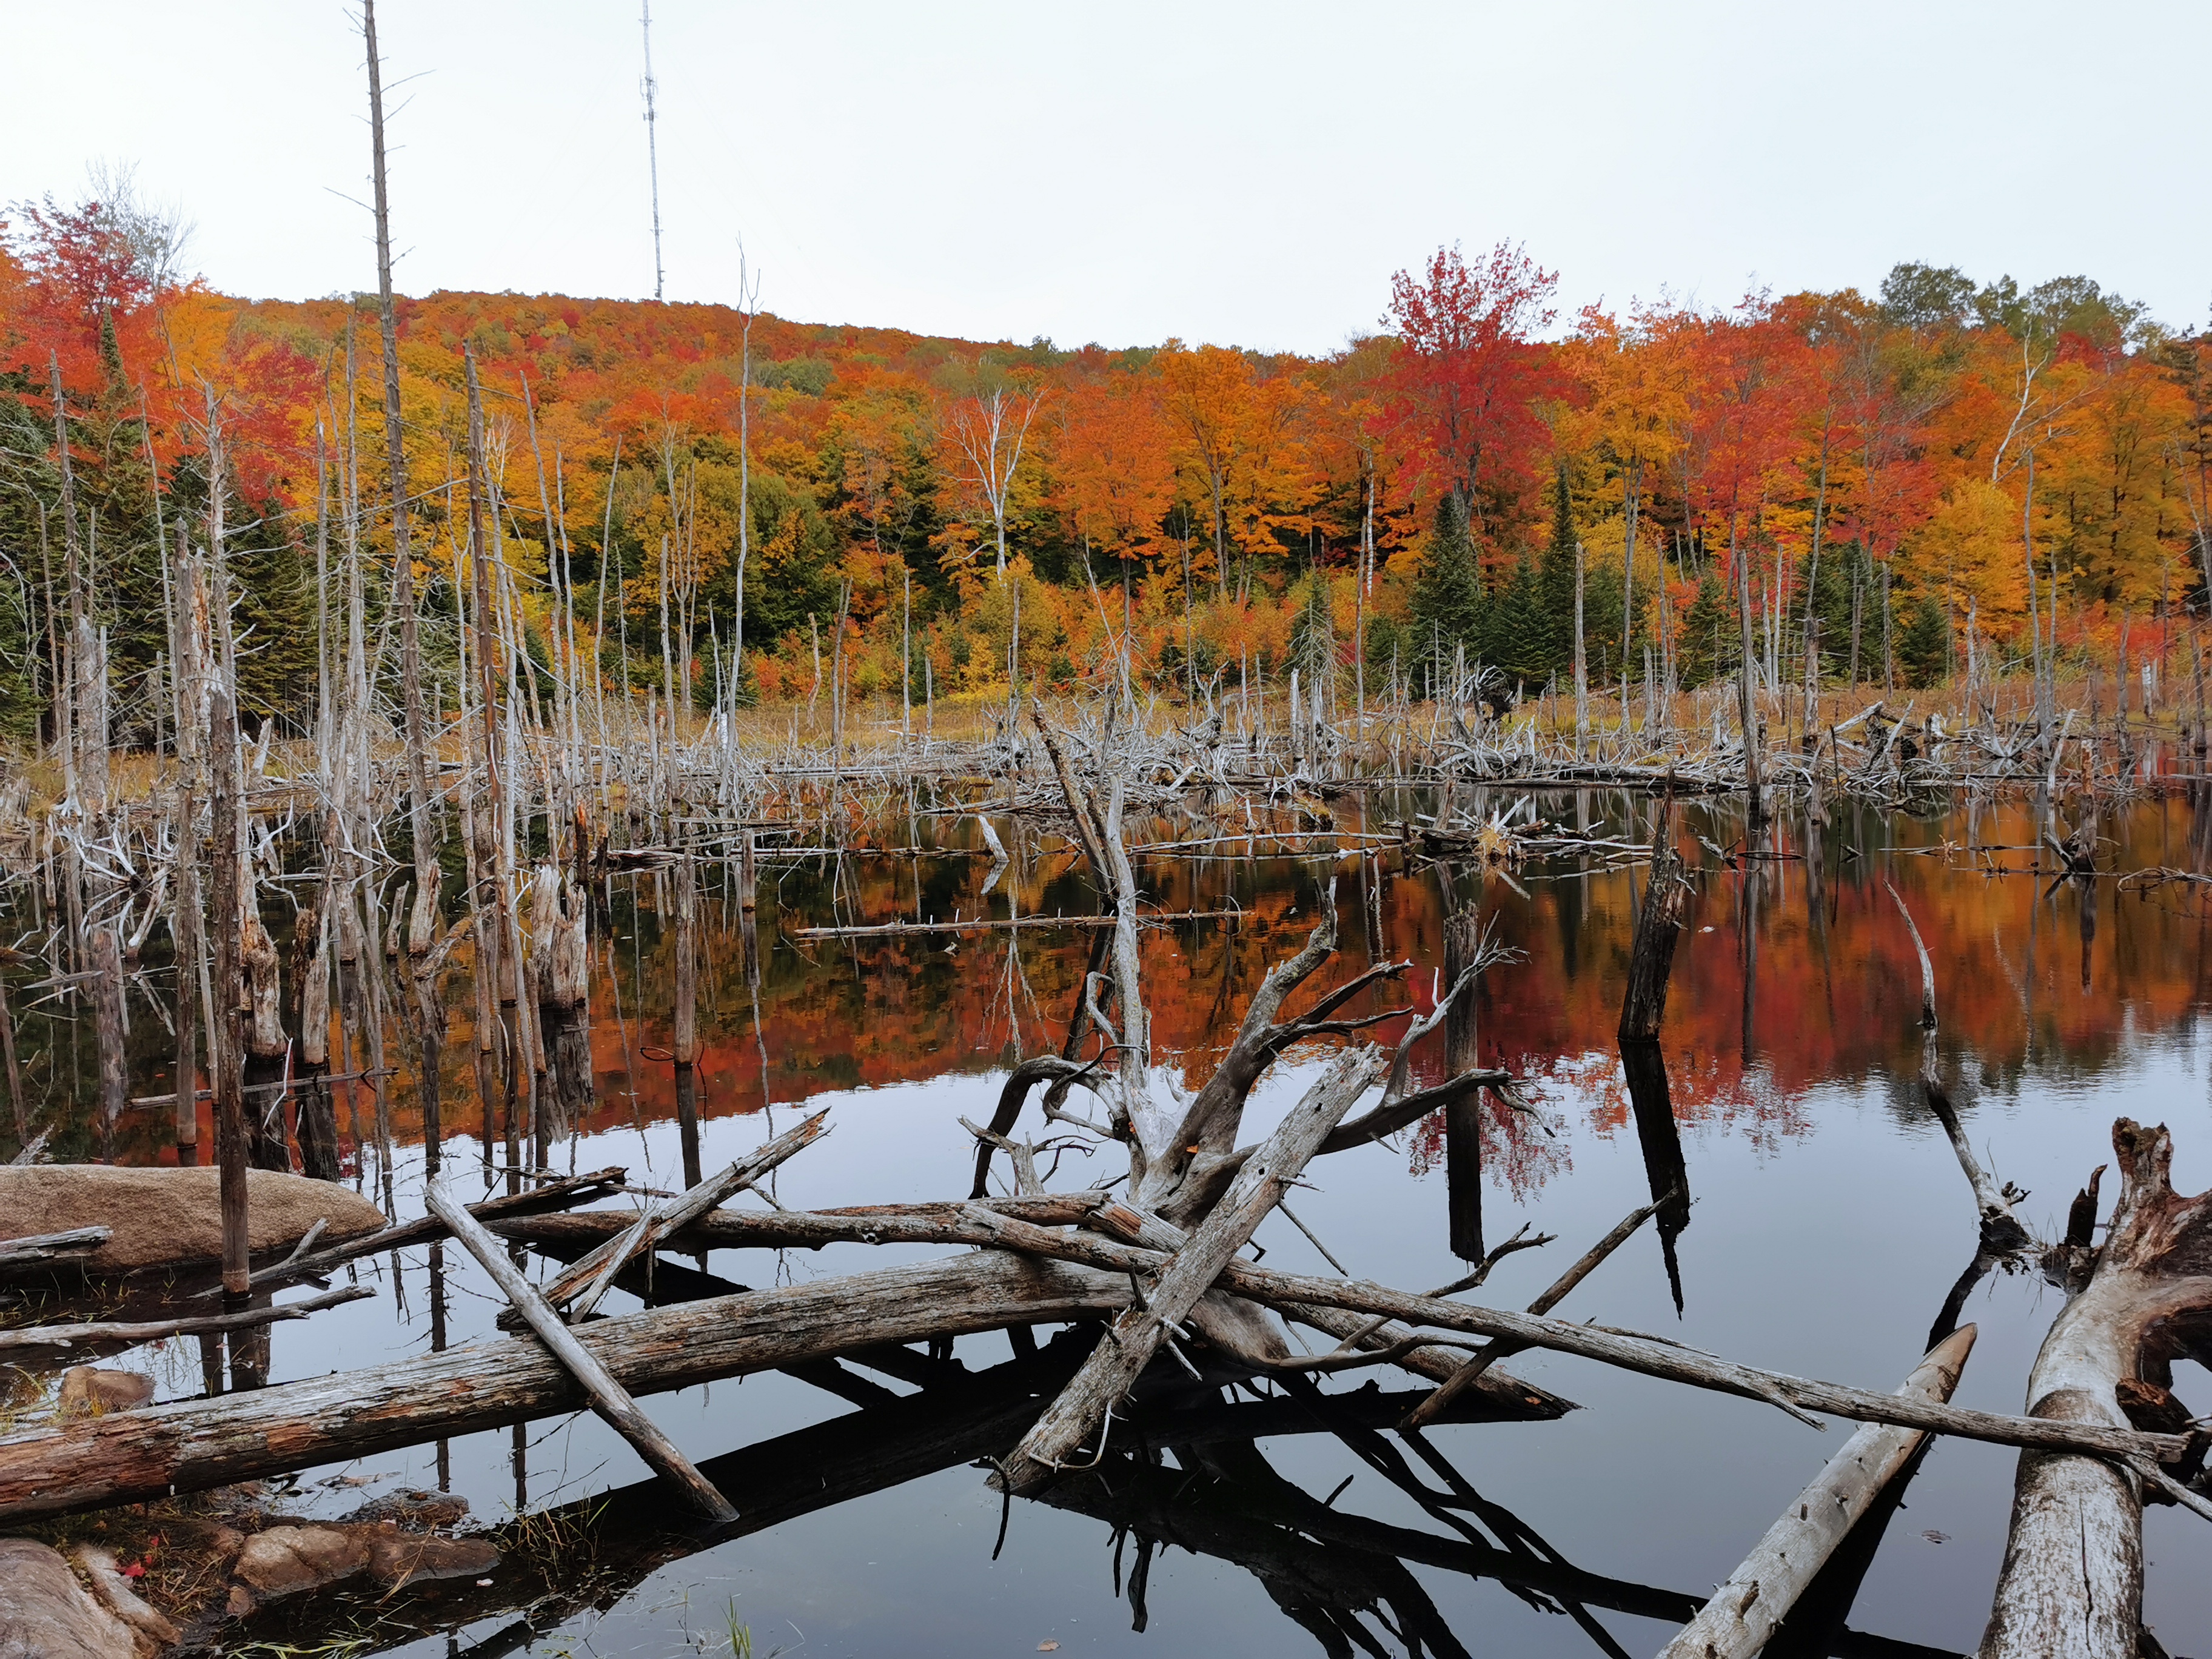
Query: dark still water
point(1829, 1221)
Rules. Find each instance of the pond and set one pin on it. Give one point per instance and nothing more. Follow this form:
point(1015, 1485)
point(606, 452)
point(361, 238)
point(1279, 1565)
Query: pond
point(1828, 1222)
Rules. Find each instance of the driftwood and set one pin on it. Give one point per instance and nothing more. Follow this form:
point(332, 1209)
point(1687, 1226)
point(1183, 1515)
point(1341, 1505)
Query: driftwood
point(553, 1196)
point(913, 929)
point(578, 1289)
point(2072, 1581)
point(39, 1250)
point(193, 1445)
point(113, 1332)
point(1628, 1350)
point(608, 1397)
point(1746, 1611)
point(1130, 1342)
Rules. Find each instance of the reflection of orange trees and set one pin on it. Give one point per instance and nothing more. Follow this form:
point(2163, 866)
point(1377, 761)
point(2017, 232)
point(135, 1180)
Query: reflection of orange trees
point(1521, 1151)
point(1834, 995)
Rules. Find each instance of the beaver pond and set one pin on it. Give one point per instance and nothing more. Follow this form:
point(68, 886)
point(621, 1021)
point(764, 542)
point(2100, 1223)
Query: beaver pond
point(1826, 1223)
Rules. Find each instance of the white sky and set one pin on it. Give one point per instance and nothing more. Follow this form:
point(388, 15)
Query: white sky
point(1241, 174)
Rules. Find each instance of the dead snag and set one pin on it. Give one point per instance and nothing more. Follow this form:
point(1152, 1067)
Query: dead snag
point(2072, 1581)
point(1747, 1609)
point(1133, 1337)
point(609, 1398)
point(1658, 925)
point(2000, 1232)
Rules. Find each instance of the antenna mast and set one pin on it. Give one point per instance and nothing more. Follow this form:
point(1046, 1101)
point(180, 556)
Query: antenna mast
point(651, 152)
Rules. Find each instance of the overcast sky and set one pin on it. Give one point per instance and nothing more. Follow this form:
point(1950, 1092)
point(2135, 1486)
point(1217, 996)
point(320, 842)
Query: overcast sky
point(1248, 174)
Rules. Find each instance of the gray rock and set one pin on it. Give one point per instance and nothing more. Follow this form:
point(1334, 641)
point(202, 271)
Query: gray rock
point(45, 1614)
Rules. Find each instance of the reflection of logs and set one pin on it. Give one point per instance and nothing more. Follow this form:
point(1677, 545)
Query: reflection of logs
point(1664, 1166)
point(1658, 924)
point(1463, 1114)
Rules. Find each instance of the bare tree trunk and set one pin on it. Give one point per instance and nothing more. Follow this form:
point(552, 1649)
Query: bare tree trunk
point(424, 923)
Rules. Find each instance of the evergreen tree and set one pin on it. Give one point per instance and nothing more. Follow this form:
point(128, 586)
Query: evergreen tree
point(1923, 644)
point(1448, 597)
point(1519, 631)
point(1709, 648)
point(1556, 584)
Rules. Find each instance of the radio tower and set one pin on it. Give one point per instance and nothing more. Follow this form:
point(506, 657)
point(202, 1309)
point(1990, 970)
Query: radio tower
point(651, 153)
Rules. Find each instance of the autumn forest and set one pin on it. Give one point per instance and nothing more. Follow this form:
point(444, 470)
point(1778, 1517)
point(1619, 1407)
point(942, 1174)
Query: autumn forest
point(1936, 482)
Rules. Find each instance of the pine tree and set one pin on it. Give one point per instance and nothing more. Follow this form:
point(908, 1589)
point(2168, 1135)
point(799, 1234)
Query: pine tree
point(1556, 584)
point(1519, 631)
point(1448, 597)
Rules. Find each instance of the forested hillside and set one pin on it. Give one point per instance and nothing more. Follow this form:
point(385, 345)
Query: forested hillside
point(1907, 486)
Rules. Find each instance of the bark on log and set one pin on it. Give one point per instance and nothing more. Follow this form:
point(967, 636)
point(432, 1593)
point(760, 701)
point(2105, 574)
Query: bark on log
point(2072, 1581)
point(609, 1398)
point(192, 1445)
point(40, 1248)
point(1130, 1343)
point(108, 1332)
point(1747, 1609)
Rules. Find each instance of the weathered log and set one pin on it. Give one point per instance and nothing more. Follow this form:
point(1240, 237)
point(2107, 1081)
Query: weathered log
point(1747, 1609)
point(897, 929)
point(579, 1288)
point(106, 1332)
point(1130, 1342)
point(1291, 1293)
point(552, 1195)
point(192, 1445)
point(42, 1248)
point(2072, 1581)
point(609, 1398)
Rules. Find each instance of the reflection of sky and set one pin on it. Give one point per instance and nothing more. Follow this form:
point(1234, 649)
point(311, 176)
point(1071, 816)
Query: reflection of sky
point(1830, 1220)
point(1827, 1256)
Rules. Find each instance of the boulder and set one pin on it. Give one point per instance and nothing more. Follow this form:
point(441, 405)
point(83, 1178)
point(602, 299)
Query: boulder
point(292, 1559)
point(88, 1391)
point(45, 1614)
point(168, 1218)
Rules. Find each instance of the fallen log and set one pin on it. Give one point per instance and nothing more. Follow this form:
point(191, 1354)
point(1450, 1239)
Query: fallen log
point(1136, 1335)
point(578, 1288)
point(128, 1334)
point(193, 1445)
point(1628, 1350)
point(43, 1247)
point(1749, 1607)
point(1472, 1372)
point(609, 1398)
point(553, 1196)
point(920, 929)
point(2072, 1580)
